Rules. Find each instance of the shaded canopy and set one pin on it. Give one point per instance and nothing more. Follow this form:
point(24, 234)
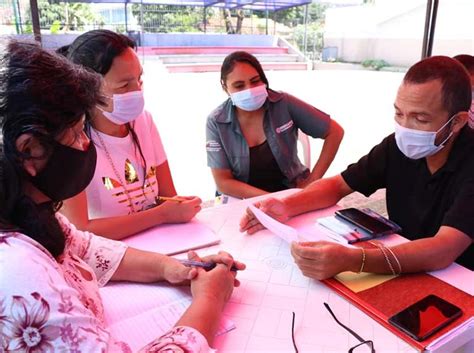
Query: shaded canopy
point(258, 5)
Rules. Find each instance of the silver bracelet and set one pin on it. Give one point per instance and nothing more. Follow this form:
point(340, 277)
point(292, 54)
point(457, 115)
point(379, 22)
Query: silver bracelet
point(396, 259)
point(382, 249)
point(363, 261)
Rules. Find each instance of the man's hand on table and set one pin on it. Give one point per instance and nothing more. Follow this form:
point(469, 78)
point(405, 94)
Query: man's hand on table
point(321, 260)
point(273, 207)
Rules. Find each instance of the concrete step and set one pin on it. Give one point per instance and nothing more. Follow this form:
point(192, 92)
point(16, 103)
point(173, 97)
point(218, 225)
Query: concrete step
point(213, 67)
point(219, 58)
point(210, 50)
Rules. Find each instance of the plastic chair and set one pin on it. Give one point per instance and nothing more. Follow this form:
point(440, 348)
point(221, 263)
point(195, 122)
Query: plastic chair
point(303, 139)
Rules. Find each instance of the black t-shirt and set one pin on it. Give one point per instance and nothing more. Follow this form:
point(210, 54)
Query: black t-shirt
point(264, 172)
point(416, 200)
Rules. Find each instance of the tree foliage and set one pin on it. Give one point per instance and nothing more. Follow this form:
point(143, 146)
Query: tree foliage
point(60, 16)
point(295, 15)
point(166, 18)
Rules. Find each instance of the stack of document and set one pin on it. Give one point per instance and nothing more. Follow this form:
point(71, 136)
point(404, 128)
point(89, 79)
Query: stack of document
point(460, 336)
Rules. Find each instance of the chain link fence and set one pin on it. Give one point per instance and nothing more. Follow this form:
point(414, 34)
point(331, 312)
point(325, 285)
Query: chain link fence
point(57, 18)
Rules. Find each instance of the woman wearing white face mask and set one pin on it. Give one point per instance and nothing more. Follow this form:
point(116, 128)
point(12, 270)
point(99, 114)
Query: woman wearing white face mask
point(132, 168)
point(251, 138)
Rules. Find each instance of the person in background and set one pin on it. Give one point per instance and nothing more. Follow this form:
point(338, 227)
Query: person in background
point(427, 168)
point(251, 138)
point(132, 169)
point(468, 62)
point(51, 272)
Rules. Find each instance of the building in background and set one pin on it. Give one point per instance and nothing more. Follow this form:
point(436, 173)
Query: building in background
point(393, 30)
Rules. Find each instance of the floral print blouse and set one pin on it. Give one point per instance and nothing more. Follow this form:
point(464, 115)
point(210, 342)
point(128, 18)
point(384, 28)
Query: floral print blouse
point(49, 305)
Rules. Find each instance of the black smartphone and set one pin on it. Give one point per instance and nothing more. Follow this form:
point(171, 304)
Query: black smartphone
point(425, 317)
point(364, 221)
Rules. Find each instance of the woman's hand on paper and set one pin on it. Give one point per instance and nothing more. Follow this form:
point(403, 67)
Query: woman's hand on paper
point(221, 257)
point(273, 207)
point(179, 212)
point(320, 260)
point(218, 283)
point(176, 273)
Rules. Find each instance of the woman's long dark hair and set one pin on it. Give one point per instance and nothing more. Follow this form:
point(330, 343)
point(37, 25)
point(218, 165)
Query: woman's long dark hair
point(97, 50)
point(41, 94)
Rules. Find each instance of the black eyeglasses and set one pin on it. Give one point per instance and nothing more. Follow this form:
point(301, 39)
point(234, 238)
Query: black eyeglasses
point(356, 348)
point(364, 345)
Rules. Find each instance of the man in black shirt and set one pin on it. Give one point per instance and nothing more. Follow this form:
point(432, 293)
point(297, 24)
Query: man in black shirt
point(427, 168)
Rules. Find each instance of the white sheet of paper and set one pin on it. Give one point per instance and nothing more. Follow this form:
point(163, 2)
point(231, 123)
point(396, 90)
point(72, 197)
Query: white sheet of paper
point(173, 239)
point(457, 276)
point(140, 313)
point(285, 232)
point(463, 334)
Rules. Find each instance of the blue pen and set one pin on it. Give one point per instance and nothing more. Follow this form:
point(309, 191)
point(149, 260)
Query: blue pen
point(205, 265)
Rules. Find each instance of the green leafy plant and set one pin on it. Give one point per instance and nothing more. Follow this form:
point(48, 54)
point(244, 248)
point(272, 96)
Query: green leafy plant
point(374, 64)
point(55, 27)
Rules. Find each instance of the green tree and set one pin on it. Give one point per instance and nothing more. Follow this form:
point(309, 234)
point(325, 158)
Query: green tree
point(295, 15)
point(314, 38)
point(165, 18)
point(60, 16)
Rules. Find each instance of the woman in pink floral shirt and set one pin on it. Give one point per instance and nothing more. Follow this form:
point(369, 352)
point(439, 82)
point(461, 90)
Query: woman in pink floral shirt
point(51, 272)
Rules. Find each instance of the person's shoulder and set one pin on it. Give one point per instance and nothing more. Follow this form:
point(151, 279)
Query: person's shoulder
point(144, 119)
point(20, 255)
point(389, 140)
point(221, 112)
point(278, 96)
point(386, 149)
point(144, 124)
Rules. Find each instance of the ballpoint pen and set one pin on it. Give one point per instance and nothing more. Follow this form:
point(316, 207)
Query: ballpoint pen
point(205, 265)
point(164, 198)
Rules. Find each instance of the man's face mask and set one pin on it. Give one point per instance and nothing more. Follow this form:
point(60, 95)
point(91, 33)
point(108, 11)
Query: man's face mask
point(250, 99)
point(67, 172)
point(126, 107)
point(416, 144)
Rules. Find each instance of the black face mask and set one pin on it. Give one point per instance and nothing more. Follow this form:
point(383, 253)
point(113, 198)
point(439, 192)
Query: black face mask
point(67, 172)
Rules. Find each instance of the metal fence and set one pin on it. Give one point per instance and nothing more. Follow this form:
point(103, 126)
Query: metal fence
point(15, 18)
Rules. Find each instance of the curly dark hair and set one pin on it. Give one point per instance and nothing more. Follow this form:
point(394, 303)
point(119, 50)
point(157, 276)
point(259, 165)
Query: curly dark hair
point(42, 94)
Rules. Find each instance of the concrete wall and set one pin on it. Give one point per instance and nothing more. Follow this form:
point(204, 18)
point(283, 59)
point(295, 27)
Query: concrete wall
point(393, 30)
point(211, 40)
point(170, 40)
point(397, 52)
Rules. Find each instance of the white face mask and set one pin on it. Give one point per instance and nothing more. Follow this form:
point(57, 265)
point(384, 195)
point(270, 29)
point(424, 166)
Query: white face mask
point(250, 99)
point(126, 107)
point(416, 144)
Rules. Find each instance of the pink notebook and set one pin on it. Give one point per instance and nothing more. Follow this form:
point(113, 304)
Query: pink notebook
point(171, 239)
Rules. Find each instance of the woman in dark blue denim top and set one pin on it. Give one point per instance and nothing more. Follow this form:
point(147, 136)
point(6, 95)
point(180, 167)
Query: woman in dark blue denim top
point(251, 138)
